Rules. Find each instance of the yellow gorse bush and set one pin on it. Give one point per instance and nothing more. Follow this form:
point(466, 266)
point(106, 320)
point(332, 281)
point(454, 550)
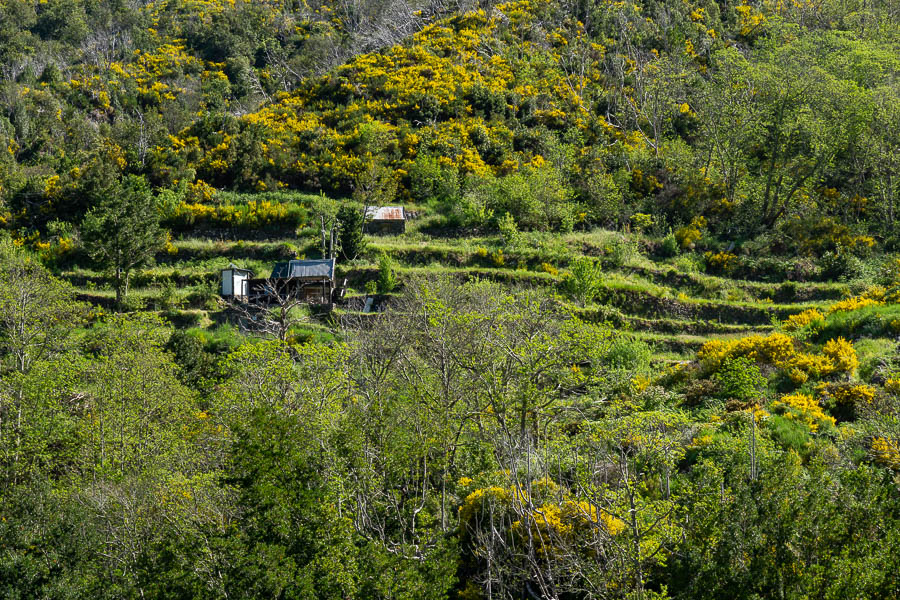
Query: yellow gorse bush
point(875, 295)
point(780, 351)
point(853, 303)
point(720, 262)
point(842, 354)
point(253, 214)
point(689, 234)
point(551, 522)
point(802, 408)
point(774, 349)
point(804, 319)
point(848, 394)
point(886, 452)
point(562, 518)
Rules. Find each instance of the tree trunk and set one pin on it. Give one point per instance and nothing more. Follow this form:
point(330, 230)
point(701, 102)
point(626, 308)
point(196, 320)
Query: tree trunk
point(118, 287)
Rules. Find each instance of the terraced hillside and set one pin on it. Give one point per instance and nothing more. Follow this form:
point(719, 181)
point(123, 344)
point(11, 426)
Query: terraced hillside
point(668, 302)
point(639, 340)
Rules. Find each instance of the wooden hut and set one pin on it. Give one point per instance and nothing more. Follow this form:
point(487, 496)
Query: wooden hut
point(310, 281)
point(236, 282)
point(385, 219)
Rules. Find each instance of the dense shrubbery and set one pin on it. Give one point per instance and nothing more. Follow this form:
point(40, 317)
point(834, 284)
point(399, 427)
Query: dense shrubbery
point(570, 118)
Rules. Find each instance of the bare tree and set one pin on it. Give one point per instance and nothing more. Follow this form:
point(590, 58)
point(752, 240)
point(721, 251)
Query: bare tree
point(273, 313)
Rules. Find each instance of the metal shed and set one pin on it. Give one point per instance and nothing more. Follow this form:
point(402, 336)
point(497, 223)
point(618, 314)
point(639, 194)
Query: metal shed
point(311, 281)
point(385, 219)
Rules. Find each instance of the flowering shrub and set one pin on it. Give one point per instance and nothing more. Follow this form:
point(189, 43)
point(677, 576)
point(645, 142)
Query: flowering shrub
point(814, 235)
point(720, 262)
point(552, 521)
point(842, 354)
point(251, 215)
point(807, 318)
point(886, 452)
point(804, 409)
point(853, 303)
point(548, 268)
point(689, 234)
point(892, 385)
point(779, 350)
point(849, 395)
point(773, 349)
point(550, 514)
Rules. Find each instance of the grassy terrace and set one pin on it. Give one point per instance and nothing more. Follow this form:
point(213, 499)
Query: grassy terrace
point(669, 303)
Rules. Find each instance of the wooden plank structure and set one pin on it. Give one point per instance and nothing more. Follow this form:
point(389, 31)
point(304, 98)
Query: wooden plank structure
point(385, 219)
point(310, 281)
point(235, 282)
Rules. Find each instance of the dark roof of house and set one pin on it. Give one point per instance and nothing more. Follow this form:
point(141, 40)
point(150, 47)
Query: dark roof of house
point(321, 268)
point(385, 213)
point(234, 267)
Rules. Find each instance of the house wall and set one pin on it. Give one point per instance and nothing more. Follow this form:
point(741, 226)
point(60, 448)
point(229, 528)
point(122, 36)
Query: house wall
point(393, 226)
point(307, 290)
point(239, 285)
point(227, 283)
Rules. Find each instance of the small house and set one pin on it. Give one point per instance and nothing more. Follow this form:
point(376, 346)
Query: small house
point(385, 219)
point(235, 282)
point(310, 281)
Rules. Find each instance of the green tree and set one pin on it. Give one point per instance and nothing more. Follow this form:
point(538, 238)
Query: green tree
point(809, 115)
point(638, 447)
point(387, 278)
point(37, 315)
point(122, 234)
point(136, 403)
point(37, 311)
point(377, 185)
point(584, 279)
point(351, 236)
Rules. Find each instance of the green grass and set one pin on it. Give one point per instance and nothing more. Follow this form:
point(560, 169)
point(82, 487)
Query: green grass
point(870, 321)
point(670, 304)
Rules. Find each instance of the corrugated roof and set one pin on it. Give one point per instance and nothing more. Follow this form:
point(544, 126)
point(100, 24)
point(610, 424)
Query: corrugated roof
point(323, 267)
point(385, 213)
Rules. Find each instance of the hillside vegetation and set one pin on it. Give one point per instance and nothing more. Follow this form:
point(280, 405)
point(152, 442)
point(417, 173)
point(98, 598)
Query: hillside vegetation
point(639, 339)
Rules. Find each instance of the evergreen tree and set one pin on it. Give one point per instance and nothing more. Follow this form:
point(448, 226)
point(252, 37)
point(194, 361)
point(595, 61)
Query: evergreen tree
point(122, 233)
point(353, 242)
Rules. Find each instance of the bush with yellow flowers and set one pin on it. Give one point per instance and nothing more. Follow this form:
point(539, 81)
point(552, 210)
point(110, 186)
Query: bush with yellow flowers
point(810, 318)
point(688, 235)
point(846, 394)
point(892, 385)
point(255, 214)
point(842, 354)
point(780, 351)
point(886, 452)
point(804, 409)
point(720, 262)
point(853, 303)
point(546, 510)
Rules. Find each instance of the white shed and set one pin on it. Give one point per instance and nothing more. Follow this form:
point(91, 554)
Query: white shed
point(235, 282)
